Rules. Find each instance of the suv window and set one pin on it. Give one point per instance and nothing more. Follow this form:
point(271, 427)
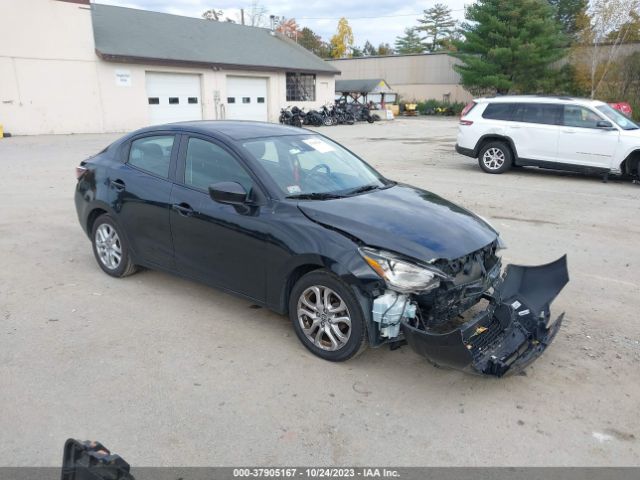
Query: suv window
point(577, 116)
point(208, 163)
point(152, 154)
point(543, 113)
point(498, 111)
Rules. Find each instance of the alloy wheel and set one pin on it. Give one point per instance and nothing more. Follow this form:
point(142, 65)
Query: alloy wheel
point(108, 246)
point(324, 318)
point(493, 158)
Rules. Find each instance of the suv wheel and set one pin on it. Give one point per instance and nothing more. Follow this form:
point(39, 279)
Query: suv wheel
point(327, 317)
point(495, 157)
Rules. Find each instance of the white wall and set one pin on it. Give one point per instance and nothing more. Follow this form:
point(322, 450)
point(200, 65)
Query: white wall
point(51, 80)
point(48, 78)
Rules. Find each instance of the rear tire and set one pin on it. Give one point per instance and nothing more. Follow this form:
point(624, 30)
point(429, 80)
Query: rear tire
point(327, 317)
point(110, 248)
point(495, 157)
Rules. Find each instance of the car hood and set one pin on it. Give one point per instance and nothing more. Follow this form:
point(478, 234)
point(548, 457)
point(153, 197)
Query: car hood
point(406, 220)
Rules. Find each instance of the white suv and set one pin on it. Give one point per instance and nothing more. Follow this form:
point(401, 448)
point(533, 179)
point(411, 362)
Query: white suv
point(560, 133)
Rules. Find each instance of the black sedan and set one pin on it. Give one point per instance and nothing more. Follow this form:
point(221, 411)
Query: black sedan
point(295, 222)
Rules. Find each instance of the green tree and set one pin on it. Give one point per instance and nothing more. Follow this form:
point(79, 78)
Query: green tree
point(369, 50)
point(385, 49)
point(313, 42)
point(509, 47)
point(410, 42)
point(356, 52)
point(342, 41)
point(437, 25)
point(568, 13)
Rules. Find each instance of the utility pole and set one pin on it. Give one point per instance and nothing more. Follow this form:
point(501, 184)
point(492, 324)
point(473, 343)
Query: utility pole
point(242, 16)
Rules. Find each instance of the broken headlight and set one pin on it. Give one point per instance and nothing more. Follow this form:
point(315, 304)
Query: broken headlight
point(399, 274)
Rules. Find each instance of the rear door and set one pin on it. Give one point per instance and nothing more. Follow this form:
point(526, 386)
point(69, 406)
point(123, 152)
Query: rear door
point(223, 245)
point(534, 130)
point(582, 142)
point(142, 192)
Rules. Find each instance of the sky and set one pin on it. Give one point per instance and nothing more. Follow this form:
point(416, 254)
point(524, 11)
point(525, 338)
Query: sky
point(390, 18)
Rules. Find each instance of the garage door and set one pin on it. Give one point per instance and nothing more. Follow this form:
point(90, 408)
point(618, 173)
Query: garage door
point(247, 98)
point(173, 97)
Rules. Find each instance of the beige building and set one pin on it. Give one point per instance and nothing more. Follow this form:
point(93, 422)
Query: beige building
point(68, 66)
point(413, 77)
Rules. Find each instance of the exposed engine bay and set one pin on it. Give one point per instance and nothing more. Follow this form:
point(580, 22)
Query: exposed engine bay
point(476, 319)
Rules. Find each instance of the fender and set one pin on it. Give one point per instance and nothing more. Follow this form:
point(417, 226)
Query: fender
point(496, 136)
point(625, 165)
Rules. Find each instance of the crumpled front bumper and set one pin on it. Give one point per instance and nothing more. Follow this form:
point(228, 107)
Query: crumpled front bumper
point(511, 333)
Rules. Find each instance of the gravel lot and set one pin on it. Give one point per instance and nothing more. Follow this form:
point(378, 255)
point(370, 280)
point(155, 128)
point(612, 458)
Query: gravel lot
point(165, 371)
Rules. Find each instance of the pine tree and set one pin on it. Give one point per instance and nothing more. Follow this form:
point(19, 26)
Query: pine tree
point(438, 26)
point(510, 46)
point(411, 42)
point(369, 50)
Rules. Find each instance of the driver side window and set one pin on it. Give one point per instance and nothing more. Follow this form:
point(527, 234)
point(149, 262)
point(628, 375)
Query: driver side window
point(575, 116)
point(207, 163)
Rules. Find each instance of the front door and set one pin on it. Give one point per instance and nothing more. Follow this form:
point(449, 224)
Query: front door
point(582, 142)
point(220, 244)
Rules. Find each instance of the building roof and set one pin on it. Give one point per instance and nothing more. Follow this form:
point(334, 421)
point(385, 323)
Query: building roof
point(369, 85)
point(127, 34)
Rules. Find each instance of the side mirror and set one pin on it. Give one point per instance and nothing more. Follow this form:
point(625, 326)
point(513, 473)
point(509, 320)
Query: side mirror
point(604, 124)
point(229, 193)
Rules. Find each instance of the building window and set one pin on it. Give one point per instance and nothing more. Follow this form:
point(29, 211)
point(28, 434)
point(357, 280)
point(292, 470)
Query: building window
point(301, 87)
point(260, 99)
point(154, 101)
point(174, 100)
point(193, 99)
point(231, 99)
point(246, 99)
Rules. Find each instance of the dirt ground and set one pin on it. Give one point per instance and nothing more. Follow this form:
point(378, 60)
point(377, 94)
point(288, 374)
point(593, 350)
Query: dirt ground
point(165, 371)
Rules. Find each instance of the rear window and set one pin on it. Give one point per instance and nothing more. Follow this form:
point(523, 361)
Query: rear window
point(498, 111)
point(152, 154)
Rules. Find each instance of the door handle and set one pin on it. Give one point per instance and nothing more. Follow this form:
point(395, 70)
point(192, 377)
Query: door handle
point(183, 209)
point(118, 185)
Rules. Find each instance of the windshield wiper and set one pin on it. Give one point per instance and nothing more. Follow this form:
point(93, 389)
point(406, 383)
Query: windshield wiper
point(314, 196)
point(364, 188)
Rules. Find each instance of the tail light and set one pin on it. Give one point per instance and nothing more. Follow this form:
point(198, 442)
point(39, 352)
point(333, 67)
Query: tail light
point(80, 171)
point(468, 107)
point(465, 122)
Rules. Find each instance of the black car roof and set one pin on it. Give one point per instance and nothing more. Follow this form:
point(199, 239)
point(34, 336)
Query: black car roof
point(235, 129)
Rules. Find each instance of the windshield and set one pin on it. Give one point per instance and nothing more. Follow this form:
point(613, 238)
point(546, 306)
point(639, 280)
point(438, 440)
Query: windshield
point(310, 166)
point(623, 122)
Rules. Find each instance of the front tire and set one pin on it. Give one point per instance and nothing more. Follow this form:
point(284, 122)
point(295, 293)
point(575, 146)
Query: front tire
point(495, 157)
point(327, 317)
point(110, 248)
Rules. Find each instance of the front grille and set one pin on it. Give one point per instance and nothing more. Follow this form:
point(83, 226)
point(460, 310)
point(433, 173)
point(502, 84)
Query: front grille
point(464, 265)
point(480, 342)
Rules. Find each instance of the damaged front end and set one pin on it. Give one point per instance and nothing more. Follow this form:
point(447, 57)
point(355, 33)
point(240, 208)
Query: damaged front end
point(470, 317)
